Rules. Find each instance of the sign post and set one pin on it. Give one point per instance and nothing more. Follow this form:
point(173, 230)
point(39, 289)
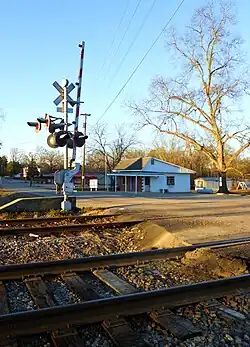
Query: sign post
point(64, 97)
point(93, 184)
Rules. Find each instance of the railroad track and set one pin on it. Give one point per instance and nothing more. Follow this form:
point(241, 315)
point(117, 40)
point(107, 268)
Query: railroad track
point(122, 301)
point(49, 228)
point(42, 220)
point(65, 228)
point(18, 271)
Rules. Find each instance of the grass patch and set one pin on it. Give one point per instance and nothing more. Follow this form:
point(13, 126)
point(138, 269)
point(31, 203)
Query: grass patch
point(51, 213)
point(21, 215)
point(241, 191)
point(4, 192)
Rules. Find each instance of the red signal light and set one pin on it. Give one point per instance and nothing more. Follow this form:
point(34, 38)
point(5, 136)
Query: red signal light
point(38, 127)
point(47, 120)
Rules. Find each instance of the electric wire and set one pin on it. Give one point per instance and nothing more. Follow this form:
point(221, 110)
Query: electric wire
point(114, 38)
point(142, 60)
point(133, 41)
point(124, 35)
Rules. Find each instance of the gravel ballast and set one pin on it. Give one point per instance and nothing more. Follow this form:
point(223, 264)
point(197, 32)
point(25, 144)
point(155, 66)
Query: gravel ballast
point(218, 328)
point(18, 297)
point(25, 249)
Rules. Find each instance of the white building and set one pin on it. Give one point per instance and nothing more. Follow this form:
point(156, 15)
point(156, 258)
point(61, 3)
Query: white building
point(151, 175)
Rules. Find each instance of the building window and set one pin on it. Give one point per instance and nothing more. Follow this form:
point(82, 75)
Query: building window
point(170, 180)
point(147, 181)
point(152, 161)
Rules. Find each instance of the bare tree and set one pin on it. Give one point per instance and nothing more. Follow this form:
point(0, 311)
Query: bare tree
point(16, 161)
point(49, 161)
point(135, 153)
point(16, 156)
point(198, 106)
point(108, 148)
point(174, 152)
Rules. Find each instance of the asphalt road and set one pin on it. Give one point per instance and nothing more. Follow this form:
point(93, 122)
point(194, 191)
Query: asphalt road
point(194, 217)
point(49, 190)
point(45, 189)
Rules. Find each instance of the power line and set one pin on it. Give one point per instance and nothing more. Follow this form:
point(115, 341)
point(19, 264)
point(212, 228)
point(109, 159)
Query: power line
point(142, 60)
point(23, 143)
point(114, 37)
point(125, 33)
point(133, 41)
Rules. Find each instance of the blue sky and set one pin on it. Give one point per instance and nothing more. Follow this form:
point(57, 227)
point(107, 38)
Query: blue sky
point(39, 44)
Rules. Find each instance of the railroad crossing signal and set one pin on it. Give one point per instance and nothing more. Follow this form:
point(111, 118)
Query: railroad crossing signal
point(62, 138)
point(59, 99)
point(37, 125)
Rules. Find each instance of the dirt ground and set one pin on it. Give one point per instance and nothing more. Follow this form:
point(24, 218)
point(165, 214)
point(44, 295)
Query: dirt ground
point(193, 218)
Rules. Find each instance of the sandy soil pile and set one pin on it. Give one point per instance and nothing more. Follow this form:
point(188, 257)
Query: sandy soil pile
point(210, 262)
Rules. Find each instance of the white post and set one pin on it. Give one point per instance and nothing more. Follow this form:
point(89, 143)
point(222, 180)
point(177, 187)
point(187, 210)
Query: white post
point(65, 111)
point(115, 182)
point(136, 184)
point(65, 205)
point(125, 184)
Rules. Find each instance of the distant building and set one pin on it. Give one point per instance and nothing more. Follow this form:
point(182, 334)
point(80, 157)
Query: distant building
point(149, 174)
point(25, 172)
point(90, 175)
point(18, 176)
point(211, 183)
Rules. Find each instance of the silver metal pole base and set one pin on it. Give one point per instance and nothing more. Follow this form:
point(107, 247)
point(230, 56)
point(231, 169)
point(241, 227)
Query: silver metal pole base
point(66, 204)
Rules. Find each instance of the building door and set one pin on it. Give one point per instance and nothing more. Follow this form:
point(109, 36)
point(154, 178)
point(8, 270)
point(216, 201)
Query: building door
point(147, 184)
point(132, 184)
point(139, 184)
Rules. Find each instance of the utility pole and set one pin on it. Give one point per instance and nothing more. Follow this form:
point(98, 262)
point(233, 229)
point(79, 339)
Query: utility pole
point(85, 115)
point(65, 112)
point(105, 171)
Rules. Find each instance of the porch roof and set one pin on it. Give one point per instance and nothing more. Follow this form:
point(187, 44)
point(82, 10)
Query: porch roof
point(134, 173)
point(142, 173)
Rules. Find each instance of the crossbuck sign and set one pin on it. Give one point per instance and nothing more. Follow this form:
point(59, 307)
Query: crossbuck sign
point(60, 98)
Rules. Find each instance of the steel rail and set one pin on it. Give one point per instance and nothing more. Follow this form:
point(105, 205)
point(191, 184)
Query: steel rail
point(225, 243)
point(51, 229)
point(53, 219)
point(44, 320)
point(18, 271)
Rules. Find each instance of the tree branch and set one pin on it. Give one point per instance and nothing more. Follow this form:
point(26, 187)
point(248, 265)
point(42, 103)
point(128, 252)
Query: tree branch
point(238, 152)
point(195, 107)
point(189, 139)
point(230, 136)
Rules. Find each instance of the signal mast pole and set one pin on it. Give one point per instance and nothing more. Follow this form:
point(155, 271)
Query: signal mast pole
point(78, 98)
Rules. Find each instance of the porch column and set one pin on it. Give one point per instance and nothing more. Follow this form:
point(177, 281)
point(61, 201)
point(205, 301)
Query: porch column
point(115, 183)
point(125, 184)
point(136, 184)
